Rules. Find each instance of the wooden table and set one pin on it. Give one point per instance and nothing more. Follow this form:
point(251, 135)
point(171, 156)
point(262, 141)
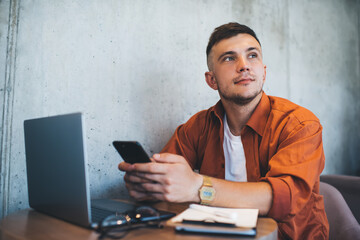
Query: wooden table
point(30, 224)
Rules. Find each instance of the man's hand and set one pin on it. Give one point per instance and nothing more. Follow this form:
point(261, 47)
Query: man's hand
point(168, 178)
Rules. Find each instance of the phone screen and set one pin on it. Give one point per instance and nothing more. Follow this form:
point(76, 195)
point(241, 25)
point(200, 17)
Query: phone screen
point(131, 151)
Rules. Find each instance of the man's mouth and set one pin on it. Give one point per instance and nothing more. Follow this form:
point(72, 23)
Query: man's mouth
point(243, 81)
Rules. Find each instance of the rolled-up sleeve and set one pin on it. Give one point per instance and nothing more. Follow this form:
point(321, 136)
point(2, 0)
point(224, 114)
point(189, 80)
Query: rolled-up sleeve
point(295, 167)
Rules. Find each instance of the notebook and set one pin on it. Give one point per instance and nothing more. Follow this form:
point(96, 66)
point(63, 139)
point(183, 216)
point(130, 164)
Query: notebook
point(57, 175)
point(216, 220)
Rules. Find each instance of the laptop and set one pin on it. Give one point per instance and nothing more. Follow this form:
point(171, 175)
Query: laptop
point(57, 176)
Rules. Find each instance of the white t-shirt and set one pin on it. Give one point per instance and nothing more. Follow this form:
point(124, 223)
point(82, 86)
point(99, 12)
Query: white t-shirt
point(235, 162)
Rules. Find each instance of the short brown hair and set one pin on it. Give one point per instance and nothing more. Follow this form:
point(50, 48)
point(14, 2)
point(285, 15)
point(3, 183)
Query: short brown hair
point(227, 31)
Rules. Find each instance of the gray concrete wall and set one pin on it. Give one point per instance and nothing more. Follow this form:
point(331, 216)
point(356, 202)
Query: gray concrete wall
point(135, 68)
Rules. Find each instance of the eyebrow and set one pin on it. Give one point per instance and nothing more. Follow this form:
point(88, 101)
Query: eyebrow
point(253, 48)
point(233, 52)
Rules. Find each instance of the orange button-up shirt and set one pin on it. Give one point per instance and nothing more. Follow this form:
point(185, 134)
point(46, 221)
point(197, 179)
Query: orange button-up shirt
point(283, 146)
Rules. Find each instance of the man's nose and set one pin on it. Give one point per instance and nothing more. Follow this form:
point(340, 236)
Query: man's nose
point(243, 64)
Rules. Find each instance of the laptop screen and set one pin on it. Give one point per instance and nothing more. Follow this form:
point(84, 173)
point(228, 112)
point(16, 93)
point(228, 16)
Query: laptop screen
point(56, 167)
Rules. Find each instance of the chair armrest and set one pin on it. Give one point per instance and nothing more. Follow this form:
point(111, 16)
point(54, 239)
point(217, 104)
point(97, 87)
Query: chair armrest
point(349, 187)
point(342, 222)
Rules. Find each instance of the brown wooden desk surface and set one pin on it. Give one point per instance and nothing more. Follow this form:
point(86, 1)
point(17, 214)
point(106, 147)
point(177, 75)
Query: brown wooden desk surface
point(29, 224)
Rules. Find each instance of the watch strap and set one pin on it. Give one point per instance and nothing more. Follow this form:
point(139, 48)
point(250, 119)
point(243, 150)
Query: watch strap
point(207, 181)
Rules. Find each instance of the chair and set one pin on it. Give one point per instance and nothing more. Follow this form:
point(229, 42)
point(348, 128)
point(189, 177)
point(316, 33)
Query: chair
point(343, 225)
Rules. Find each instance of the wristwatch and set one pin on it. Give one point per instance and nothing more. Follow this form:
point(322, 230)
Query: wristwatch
point(206, 191)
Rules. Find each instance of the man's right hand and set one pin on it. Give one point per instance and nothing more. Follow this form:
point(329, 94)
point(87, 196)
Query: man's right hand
point(168, 178)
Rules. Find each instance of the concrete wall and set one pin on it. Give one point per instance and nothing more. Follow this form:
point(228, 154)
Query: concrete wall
point(135, 68)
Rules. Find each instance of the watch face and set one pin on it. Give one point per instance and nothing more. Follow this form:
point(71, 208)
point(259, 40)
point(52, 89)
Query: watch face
point(207, 193)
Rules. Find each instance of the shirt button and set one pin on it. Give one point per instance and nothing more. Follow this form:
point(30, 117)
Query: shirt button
point(222, 165)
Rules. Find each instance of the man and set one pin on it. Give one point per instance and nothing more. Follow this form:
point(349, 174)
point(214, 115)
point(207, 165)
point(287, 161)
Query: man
point(251, 150)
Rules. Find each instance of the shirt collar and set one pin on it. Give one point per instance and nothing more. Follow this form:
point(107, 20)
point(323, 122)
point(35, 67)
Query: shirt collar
point(260, 115)
point(257, 120)
point(219, 111)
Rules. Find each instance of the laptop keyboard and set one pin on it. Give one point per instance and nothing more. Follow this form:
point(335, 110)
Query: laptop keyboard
point(98, 214)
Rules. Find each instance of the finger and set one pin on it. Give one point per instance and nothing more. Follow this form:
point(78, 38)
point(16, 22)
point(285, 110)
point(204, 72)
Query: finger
point(153, 167)
point(147, 187)
point(140, 196)
point(154, 188)
point(145, 196)
point(146, 192)
point(135, 187)
point(138, 187)
point(134, 178)
point(125, 167)
point(168, 158)
point(144, 189)
point(150, 177)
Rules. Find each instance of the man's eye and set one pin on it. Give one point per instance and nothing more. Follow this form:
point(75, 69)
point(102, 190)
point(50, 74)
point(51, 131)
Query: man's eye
point(253, 55)
point(228, 59)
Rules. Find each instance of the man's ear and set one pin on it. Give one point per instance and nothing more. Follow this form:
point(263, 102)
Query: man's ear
point(210, 80)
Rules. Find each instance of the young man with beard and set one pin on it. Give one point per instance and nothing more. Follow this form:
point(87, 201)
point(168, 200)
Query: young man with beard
point(251, 150)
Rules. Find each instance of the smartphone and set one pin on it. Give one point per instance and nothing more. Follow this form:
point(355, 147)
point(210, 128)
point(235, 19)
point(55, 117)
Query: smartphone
point(131, 151)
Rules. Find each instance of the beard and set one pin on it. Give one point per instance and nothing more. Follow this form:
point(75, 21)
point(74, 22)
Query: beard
point(237, 98)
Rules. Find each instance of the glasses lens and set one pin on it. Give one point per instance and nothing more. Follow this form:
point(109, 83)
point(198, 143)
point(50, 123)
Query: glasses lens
point(146, 213)
point(114, 220)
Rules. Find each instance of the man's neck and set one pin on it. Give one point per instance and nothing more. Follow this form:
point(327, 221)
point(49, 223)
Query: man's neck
point(238, 115)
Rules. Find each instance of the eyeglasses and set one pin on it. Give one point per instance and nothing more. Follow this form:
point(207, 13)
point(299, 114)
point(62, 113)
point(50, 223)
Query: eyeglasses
point(118, 225)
